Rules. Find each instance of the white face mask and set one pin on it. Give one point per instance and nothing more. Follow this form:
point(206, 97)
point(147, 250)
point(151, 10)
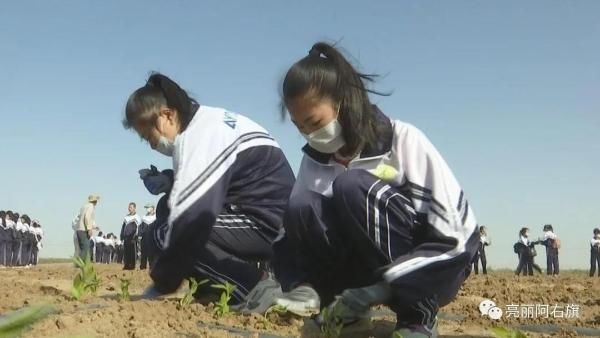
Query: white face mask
point(328, 139)
point(165, 146)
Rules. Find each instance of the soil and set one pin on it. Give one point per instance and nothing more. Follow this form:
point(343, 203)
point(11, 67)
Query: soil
point(104, 315)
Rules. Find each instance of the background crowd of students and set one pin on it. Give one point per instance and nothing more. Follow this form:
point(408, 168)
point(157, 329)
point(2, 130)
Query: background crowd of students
point(526, 252)
point(20, 240)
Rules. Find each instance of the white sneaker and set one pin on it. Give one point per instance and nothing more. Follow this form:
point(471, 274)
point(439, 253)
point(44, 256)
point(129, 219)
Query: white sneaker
point(260, 298)
point(303, 301)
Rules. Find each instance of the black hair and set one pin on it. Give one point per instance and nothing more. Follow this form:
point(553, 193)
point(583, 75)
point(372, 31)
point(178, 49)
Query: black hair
point(326, 73)
point(482, 228)
point(133, 203)
point(26, 219)
point(16, 217)
point(548, 227)
point(523, 231)
point(596, 231)
point(160, 91)
point(100, 234)
point(2, 218)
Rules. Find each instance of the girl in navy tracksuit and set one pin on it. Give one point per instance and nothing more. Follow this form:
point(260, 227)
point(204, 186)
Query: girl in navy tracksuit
point(552, 244)
point(376, 215)
point(480, 255)
point(525, 249)
point(230, 188)
point(4, 236)
point(16, 244)
point(595, 253)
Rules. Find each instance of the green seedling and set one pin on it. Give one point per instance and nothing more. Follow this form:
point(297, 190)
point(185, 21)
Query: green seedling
point(332, 324)
point(86, 280)
point(222, 306)
point(188, 298)
point(502, 332)
point(13, 324)
point(124, 295)
point(397, 335)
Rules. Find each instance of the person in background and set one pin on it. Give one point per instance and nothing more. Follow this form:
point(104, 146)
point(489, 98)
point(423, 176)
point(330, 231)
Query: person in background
point(99, 247)
point(106, 249)
point(523, 249)
point(147, 220)
point(11, 238)
point(87, 222)
point(552, 244)
point(119, 251)
point(4, 238)
point(27, 241)
point(75, 226)
point(114, 246)
point(480, 255)
point(38, 234)
point(595, 253)
point(129, 230)
point(17, 240)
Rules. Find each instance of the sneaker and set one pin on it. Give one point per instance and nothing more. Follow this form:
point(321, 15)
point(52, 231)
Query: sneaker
point(303, 301)
point(350, 320)
point(417, 331)
point(261, 297)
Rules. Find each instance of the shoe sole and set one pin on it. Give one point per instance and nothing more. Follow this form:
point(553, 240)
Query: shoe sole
point(296, 308)
point(261, 302)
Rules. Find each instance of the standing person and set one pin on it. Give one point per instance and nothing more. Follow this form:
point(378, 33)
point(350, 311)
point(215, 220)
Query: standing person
point(11, 243)
point(107, 251)
point(376, 215)
point(525, 248)
point(230, 189)
point(147, 220)
point(99, 247)
point(18, 240)
point(75, 226)
point(4, 238)
point(552, 244)
point(129, 231)
point(595, 253)
point(118, 253)
point(27, 241)
point(480, 255)
point(38, 236)
point(87, 222)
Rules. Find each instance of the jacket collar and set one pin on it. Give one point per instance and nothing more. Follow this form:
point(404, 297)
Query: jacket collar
point(383, 145)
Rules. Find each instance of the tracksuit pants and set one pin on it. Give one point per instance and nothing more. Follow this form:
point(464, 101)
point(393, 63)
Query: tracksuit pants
point(235, 247)
point(365, 228)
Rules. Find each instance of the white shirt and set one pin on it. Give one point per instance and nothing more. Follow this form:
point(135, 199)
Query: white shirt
point(21, 227)
point(594, 241)
point(549, 235)
point(75, 223)
point(524, 240)
point(149, 219)
point(133, 218)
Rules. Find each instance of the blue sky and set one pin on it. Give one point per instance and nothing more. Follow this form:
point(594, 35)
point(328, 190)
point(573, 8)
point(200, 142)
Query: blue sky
point(507, 90)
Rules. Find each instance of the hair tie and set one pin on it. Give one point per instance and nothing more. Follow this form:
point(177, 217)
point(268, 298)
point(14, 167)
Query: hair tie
point(315, 52)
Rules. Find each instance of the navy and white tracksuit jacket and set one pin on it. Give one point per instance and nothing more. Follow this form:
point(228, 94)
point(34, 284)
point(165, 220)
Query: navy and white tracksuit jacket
point(417, 231)
point(231, 186)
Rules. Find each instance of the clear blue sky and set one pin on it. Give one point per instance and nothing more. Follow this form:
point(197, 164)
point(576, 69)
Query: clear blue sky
point(509, 92)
